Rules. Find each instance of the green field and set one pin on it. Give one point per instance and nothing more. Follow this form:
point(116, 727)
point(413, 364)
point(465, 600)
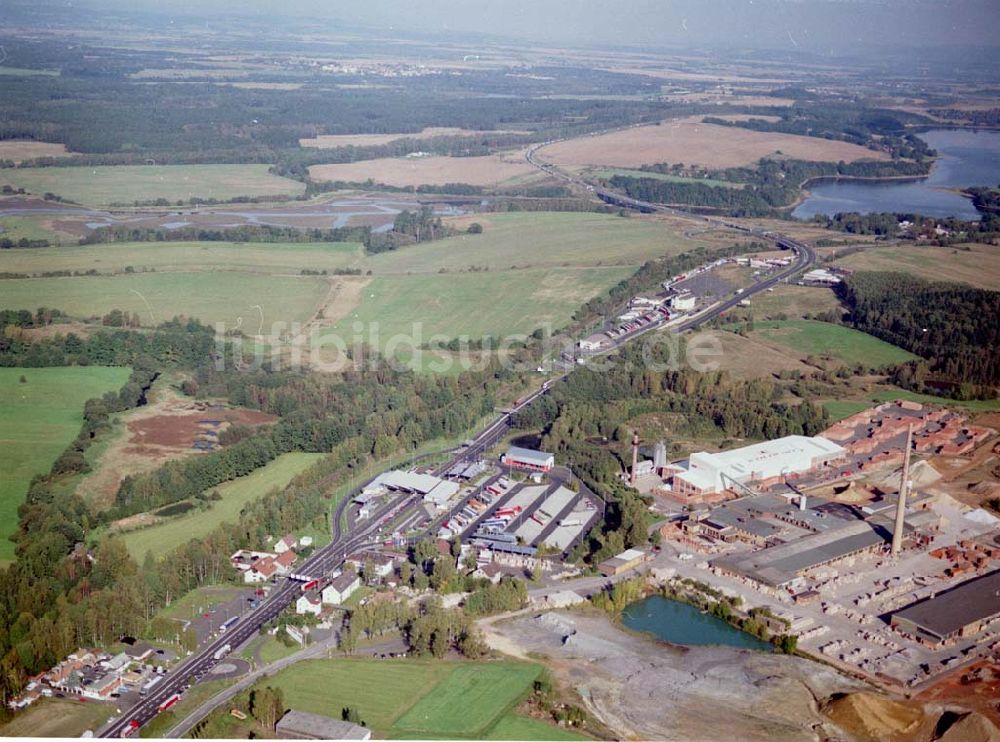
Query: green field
point(410, 699)
point(809, 337)
point(475, 304)
point(125, 184)
point(610, 172)
point(57, 717)
point(158, 297)
point(179, 256)
point(977, 265)
point(25, 227)
point(200, 600)
point(540, 239)
point(469, 700)
point(173, 532)
point(38, 419)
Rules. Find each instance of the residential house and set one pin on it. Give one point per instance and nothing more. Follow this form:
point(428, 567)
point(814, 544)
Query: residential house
point(284, 561)
point(261, 571)
point(341, 588)
point(309, 603)
point(285, 544)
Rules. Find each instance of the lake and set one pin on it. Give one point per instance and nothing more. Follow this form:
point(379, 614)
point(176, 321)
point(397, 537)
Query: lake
point(966, 158)
point(680, 623)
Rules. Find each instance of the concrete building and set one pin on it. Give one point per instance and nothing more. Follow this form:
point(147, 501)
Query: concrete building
point(303, 725)
point(435, 490)
point(783, 565)
point(308, 603)
point(528, 459)
point(628, 559)
point(958, 613)
point(341, 588)
point(760, 465)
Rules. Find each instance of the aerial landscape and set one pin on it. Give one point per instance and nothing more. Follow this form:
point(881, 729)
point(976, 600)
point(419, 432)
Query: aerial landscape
point(500, 370)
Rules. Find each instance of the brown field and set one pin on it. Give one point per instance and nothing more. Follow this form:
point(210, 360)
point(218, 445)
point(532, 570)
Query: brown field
point(19, 150)
point(747, 358)
point(402, 172)
point(979, 265)
point(329, 141)
point(147, 437)
point(793, 302)
point(693, 143)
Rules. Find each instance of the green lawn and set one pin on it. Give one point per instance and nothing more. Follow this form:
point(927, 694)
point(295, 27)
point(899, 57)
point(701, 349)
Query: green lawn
point(610, 172)
point(173, 532)
point(38, 419)
point(474, 304)
point(381, 690)
point(176, 256)
point(540, 239)
point(125, 184)
point(158, 297)
point(810, 337)
point(56, 717)
point(410, 699)
point(23, 227)
point(469, 700)
point(838, 409)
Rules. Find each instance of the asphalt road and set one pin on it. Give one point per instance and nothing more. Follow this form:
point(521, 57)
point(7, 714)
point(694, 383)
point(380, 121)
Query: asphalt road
point(325, 560)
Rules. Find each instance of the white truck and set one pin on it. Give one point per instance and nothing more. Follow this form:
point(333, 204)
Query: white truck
point(222, 651)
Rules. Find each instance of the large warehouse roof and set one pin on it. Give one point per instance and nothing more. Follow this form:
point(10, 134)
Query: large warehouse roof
point(779, 565)
point(793, 453)
point(541, 458)
point(948, 612)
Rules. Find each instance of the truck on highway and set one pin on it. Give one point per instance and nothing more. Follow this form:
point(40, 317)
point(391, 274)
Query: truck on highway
point(221, 652)
point(168, 703)
point(131, 729)
point(149, 686)
point(228, 623)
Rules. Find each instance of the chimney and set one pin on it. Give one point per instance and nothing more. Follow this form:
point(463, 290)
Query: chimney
point(802, 502)
point(897, 531)
point(635, 456)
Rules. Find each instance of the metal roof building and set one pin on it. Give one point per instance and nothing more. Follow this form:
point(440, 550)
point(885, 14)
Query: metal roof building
point(303, 725)
point(526, 458)
point(434, 489)
point(962, 611)
point(793, 454)
point(781, 565)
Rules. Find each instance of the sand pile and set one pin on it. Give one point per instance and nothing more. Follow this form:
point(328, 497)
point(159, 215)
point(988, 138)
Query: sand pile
point(972, 728)
point(872, 717)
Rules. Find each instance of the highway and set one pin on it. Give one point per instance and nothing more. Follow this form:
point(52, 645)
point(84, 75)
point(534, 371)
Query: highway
point(327, 559)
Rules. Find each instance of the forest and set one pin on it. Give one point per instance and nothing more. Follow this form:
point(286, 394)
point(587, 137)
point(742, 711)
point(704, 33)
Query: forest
point(956, 231)
point(771, 185)
point(951, 326)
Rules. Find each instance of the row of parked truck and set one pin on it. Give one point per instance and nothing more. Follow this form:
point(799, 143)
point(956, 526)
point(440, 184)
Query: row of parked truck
point(629, 326)
point(476, 506)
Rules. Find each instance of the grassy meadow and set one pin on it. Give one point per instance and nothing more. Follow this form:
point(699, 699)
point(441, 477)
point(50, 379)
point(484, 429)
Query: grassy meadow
point(979, 265)
point(57, 717)
point(172, 532)
point(808, 337)
point(277, 257)
point(38, 419)
point(125, 184)
point(158, 297)
point(414, 699)
point(475, 304)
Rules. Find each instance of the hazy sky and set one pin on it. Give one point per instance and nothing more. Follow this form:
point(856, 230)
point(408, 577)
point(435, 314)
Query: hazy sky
point(824, 26)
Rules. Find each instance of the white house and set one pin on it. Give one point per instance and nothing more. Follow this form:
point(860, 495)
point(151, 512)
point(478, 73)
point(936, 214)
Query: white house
point(308, 604)
point(285, 544)
point(382, 562)
point(341, 588)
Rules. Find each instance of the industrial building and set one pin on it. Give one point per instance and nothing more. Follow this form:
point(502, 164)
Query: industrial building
point(304, 725)
point(625, 561)
point(434, 489)
point(783, 565)
point(761, 465)
point(955, 614)
point(528, 459)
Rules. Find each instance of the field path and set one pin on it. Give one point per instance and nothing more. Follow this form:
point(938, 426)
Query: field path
point(343, 296)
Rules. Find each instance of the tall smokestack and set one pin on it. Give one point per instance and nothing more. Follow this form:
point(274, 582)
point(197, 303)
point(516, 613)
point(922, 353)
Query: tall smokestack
point(897, 531)
point(802, 502)
point(635, 456)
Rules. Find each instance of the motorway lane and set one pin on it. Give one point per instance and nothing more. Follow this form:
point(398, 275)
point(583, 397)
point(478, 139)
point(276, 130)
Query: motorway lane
point(324, 560)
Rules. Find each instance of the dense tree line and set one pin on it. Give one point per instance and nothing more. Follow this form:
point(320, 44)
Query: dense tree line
point(986, 200)
point(408, 228)
point(952, 326)
point(244, 233)
point(771, 185)
point(877, 129)
point(886, 224)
